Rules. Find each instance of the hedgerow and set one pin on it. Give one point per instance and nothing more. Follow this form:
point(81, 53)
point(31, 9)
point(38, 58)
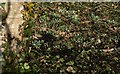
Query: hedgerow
point(68, 38)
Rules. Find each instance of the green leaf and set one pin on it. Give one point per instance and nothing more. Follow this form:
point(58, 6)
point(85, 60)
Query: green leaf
point(61, 59)
point(57, 65)
point(26, 66)
point(70, 63)
point(31, 23)
point(49, 49)
point(57, 56)
point(63, 27)
point(27, 32)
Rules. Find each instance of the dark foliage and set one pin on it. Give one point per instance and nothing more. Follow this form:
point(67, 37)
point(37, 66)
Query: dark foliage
point(70, 38)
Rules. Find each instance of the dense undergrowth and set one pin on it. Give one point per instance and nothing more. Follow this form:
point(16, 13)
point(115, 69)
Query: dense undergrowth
point(80, 38)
